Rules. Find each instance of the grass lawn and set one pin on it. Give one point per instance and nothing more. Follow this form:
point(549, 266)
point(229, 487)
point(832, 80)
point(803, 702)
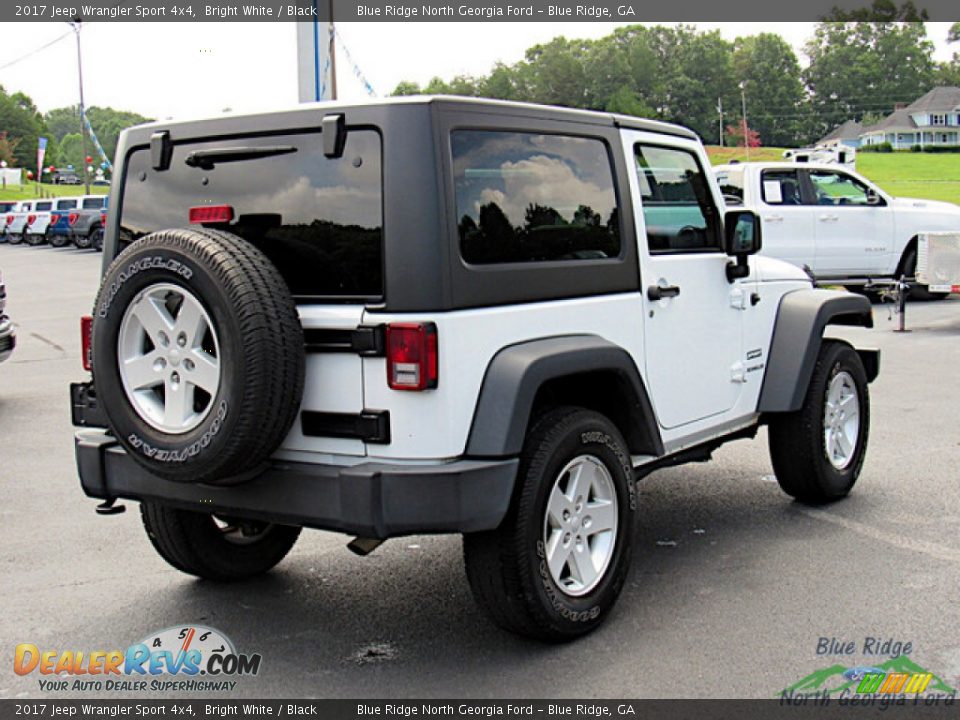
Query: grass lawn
point(933, 176)
point(28, 191)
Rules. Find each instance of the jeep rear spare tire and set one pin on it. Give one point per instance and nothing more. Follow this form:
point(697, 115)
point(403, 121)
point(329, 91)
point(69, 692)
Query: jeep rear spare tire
point(197, 355)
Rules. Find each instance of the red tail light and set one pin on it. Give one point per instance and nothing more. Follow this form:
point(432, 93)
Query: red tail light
point(103, 218)
point(31, 219)
point(210, 214)
point(54, 218)
point(412, 356)
point(9, 219)
point(72, 218)
point(86, 336)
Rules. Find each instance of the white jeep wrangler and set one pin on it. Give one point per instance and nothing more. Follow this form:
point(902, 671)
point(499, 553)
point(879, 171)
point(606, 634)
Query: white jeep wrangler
point(440, 315)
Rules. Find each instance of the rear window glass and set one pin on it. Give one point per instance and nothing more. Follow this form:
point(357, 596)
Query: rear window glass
point(524, 197)
point(318, 219)
point(7, 207)
point(41, 206)
point(92, 203)
point(66, 204)
point(731, 185)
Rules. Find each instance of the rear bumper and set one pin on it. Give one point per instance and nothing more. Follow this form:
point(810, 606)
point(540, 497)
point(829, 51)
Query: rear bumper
point(370, 500)
point(8, 338)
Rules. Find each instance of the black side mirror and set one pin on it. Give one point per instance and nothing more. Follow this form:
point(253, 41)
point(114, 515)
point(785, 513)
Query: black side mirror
point(873, 197)
point(742, 237)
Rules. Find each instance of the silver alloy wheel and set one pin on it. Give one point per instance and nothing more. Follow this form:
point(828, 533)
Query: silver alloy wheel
point(169, 358)
point(841, 420)
point(580, 525)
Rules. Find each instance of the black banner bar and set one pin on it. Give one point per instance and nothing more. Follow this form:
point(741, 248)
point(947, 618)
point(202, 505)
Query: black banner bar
point(441, 11)
point(886, 707)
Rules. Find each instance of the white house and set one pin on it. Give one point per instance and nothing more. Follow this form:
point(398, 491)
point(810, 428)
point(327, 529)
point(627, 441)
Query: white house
point(933, 119)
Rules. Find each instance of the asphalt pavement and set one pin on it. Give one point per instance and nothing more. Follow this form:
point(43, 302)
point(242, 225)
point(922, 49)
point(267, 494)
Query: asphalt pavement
point(732, 587)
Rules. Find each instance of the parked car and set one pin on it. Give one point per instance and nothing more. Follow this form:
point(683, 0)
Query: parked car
point(8, 335)
point(20, 219)
point(445, 315)
point(57, 230)
point(88, 221)
point(835, 222)
point(6, 209)
point(45, 213)
point(67, 178)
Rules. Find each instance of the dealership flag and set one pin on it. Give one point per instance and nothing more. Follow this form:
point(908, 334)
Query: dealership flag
point(41, 151)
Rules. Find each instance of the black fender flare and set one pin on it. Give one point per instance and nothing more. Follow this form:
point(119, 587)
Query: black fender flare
point(516, 374)
point(797, 336)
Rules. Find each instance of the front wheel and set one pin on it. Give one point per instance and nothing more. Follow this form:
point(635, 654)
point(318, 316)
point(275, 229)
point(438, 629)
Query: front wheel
point(554, 568)
point(818, 451)
point(213, 547)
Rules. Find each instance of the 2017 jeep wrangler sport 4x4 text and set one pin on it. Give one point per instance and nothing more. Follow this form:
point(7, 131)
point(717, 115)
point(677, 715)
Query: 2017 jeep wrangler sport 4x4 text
point(439, 315)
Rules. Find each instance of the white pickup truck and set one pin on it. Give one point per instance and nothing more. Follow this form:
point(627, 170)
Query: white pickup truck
point(834, 221)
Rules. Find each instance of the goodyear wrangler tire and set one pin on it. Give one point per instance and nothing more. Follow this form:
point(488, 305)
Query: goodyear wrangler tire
point(554, 568)
point(197, 355)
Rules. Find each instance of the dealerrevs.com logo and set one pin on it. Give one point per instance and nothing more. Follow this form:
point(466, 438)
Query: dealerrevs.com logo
point(185, 658)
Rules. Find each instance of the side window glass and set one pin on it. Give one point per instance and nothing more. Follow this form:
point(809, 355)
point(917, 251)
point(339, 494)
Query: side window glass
point(525, 197)
point(678, 209)
point(780, 187)
point(832, 188)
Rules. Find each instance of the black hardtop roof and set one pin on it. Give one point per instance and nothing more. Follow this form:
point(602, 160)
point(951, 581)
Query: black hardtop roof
point(290, 116)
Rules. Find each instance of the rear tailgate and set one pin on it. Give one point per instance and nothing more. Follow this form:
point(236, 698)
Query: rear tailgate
point(317, 218)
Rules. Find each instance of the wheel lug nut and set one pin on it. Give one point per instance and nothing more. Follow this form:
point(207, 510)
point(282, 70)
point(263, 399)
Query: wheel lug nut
point(182, 339)
point(175, 378)
point(164, 340)
point(188, 364)
point(159, 364)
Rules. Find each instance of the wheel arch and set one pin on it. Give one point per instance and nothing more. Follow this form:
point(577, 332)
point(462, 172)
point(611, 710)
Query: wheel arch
point(583, 370)
point(902, 262)
point(801, 320)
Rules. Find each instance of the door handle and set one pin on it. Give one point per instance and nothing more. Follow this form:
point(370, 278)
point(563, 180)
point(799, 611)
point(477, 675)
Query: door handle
point(774, 218)
point(659, 292)
point(829, 218)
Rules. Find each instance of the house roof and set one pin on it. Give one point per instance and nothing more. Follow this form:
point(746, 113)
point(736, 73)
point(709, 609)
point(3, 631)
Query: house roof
point(940, 99)
point(899, 120)
point(851, 129)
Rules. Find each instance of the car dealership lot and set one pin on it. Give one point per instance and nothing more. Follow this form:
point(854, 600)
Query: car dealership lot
point(733, 585)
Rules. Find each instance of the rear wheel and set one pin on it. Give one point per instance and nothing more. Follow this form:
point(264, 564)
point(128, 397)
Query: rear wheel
point(83, 241)
point(214, 547)
point(59, 241)
point(818, 451)
point(15, 238)
point(555, 567)
point(96, 240)
point(34, 239)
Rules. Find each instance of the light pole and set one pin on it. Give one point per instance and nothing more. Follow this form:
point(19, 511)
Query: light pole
point(75, 24)
point(743, 104)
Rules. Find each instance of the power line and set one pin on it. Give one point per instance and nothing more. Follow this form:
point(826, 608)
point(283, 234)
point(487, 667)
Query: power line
point(34, 52)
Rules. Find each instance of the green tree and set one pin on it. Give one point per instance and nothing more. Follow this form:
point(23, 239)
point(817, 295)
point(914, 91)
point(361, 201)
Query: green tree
point(70, 152)
point(23, 124)
point(407, 88)
point(768, 69)
point(858, 67)
point(948, 73)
